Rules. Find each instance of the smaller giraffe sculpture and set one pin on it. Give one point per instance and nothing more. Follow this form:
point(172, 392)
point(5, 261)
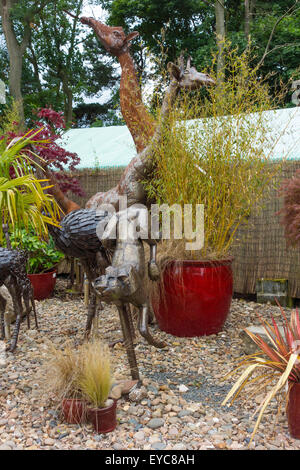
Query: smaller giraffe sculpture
point(124, 281)
point(13, 276)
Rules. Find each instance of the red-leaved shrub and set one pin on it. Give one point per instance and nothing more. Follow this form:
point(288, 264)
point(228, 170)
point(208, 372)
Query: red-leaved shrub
point(52, 124)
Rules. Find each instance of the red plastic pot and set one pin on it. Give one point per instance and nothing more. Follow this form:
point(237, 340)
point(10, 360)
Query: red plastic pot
point(293, 410)
point(103, 419)
point(195, 297)
point(74, 410)
point(43, 284)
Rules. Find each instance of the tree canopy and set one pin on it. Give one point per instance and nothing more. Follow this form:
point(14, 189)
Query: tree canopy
point(49, 59)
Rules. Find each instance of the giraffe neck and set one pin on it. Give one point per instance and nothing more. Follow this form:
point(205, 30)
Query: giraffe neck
point(139, 122)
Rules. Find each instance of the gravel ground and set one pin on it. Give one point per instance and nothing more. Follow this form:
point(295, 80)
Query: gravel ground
point(182, 409)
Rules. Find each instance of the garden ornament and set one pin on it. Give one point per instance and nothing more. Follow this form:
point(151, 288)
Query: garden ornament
point(124, 281)
point(13, 276)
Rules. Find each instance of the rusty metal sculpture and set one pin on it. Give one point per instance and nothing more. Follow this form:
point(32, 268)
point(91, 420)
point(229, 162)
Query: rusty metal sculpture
point(13, 276)
point(139, 121)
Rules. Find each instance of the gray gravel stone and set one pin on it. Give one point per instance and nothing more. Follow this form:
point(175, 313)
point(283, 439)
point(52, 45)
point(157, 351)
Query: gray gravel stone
point(158, 446)
point(155, 423)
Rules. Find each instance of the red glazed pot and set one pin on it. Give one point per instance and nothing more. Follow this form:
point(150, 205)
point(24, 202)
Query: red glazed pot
point(293, 410)
point(196, 297)
point(103, 419)
point(43, 284)
point(74, 410)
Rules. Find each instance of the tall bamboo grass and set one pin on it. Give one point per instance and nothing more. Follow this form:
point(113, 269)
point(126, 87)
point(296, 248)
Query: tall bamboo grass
point(215, 151)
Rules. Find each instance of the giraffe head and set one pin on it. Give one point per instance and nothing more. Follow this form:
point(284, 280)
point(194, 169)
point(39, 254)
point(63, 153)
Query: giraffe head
point(113, 38)
point(188, 77)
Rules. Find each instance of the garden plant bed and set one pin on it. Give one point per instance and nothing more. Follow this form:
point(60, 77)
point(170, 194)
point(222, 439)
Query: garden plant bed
point(169, 417)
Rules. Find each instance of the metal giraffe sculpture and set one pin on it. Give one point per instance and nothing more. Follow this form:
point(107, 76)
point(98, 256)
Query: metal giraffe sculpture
point(138, 120)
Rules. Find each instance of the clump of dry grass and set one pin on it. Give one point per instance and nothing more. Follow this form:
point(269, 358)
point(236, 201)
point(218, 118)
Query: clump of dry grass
point(95, 379)
point(62, 370)
point(83, 372)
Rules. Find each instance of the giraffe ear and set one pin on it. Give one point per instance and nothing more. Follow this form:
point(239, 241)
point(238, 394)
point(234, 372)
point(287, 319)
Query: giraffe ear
point(131, 36)
point(174, 71)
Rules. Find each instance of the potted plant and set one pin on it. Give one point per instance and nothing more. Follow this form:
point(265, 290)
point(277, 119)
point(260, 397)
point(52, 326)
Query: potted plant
point(280, 362)
point(95, 383)
point(62, 371)
point(23, 200)
point(221, 161)
point(43, 259)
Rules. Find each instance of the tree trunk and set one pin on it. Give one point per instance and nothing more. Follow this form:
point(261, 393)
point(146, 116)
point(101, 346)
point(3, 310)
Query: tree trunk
point(249, 6)
point(16, 51)
point(15, 78)
point(68, 102)
point(220, 37)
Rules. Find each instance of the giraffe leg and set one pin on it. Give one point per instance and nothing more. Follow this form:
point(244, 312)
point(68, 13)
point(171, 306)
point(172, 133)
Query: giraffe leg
point(126, 329)
point(131, 325)
point(19, 310)
point(143, 328)
point(34, 311)
point(2, 311)
point(27, 310)
point(91, 314)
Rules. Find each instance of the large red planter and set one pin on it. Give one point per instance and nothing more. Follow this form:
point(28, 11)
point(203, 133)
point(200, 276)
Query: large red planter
point(293, 410)
point(43, 284)
point(195, 297)
point(103, 419)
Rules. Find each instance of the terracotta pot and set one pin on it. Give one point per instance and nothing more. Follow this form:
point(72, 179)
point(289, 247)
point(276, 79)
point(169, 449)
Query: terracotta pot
point(74, 410)
point(195, 297)
point(293, 410)
point(43, 284)
point(103, 419)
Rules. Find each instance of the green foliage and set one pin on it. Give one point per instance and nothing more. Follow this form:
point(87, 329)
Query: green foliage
point(222, 160)
point(190, 26)
point(8, 118)
point(23, 201)
point(43, 255)
point(63, 60)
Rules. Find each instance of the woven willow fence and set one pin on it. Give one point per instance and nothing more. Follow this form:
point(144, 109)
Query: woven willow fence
point(260, 250)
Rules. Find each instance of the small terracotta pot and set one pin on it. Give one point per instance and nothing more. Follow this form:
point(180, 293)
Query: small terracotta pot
point(74, 410)
point(293, 410)
point(103, 419)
